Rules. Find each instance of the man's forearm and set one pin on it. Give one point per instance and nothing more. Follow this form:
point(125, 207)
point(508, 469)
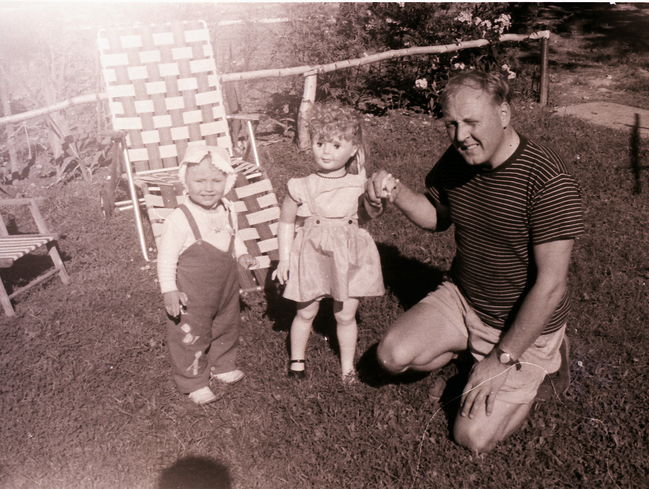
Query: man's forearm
point(416, 207)
point(535, 311)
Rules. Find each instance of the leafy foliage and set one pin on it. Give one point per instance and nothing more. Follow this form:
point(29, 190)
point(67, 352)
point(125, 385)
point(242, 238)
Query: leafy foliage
point(360, 29)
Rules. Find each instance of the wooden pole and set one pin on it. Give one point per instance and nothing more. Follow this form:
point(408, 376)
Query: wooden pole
point(308, 99)
point(544, 85)
point(5, 100)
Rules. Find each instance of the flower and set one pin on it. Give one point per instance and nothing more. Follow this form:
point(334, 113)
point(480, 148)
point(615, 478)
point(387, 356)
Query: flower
point(464, 16)
point(421, 83)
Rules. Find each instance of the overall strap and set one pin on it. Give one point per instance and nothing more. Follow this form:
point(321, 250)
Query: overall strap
point(232, 218)
point(191, 221)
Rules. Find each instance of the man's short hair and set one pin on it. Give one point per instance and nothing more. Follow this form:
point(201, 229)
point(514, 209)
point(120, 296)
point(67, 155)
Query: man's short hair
point(494, 84)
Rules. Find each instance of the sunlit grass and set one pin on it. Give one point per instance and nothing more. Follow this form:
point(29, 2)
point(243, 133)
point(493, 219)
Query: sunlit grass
point(87, 400)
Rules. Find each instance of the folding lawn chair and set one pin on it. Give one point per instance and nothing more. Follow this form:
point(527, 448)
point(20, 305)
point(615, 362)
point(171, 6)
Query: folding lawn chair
point(164, 92)
point(15, 246)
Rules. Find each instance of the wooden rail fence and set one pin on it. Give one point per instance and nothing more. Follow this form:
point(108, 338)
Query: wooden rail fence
point(310, 73)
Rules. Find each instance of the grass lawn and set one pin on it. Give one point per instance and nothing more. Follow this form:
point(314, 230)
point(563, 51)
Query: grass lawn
point(87, 401)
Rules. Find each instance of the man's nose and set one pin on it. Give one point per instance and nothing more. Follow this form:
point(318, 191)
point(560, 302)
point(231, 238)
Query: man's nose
point(461, 132)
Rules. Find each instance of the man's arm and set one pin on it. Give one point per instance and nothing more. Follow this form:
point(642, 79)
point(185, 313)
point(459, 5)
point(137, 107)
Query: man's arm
point(552, 261)
point(414, 205)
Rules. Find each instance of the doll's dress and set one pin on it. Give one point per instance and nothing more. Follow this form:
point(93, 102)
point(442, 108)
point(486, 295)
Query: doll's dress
point(331, 255)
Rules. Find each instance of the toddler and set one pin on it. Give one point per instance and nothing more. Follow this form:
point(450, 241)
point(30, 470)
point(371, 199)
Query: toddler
point(198, 275)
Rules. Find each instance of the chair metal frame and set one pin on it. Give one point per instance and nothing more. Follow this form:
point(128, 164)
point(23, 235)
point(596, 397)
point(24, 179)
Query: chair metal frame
point(15, 246)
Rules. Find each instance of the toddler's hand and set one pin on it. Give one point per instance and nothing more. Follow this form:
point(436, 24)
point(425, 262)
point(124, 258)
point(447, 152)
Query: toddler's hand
point(174, 302)
point(247, 261)
point(281, 272)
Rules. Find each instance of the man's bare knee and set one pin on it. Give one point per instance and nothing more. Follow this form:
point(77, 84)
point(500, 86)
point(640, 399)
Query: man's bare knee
point(474, 438)
point(391, 357)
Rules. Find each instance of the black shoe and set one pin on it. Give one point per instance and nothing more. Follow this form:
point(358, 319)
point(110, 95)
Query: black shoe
point(557, 383)
point(296, 374)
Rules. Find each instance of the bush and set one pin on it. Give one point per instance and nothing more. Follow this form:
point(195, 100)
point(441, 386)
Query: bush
point(355, 30)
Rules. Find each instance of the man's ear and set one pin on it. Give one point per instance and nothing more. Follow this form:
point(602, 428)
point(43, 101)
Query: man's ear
point(505, 112)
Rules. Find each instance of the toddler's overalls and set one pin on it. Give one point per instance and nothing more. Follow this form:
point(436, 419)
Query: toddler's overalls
point(205, 338)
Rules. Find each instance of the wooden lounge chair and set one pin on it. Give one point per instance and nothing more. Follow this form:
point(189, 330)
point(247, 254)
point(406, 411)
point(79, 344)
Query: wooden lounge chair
point(16, 246)
point(164, 92)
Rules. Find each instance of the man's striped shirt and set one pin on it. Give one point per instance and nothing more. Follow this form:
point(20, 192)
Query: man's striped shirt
point(499, 215)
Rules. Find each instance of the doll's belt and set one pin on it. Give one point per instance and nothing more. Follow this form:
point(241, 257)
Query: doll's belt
point(330, 221)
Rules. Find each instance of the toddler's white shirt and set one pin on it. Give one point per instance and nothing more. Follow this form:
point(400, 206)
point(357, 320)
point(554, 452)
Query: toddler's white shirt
point(177, 236)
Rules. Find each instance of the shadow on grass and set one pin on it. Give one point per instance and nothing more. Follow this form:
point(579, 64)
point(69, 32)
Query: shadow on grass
point(195, 473)
point(407, 278)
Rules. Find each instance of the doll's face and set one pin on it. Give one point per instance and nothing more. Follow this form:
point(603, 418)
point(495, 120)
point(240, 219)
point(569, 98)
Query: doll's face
point(205, 184)
point(332, 154)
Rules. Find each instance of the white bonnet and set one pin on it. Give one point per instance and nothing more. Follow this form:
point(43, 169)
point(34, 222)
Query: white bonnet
point(197, 150)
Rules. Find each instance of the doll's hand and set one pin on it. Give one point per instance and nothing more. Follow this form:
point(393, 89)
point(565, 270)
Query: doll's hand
point(174, 301)
point(281, 272)
point(373, 189)
point(247, 261)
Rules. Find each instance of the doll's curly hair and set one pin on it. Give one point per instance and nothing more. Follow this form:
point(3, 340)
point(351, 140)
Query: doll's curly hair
point(329, 120)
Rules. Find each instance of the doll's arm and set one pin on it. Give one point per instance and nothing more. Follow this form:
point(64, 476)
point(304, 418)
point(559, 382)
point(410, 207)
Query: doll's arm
point(285, 236)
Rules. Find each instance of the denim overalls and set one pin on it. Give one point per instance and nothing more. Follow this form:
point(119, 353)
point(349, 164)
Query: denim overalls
point(204, 340)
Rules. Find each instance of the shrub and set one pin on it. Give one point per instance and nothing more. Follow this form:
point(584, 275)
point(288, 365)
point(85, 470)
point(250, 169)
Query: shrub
point(355, 30)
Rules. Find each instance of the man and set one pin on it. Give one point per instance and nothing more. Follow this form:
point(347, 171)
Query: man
point(516, 213)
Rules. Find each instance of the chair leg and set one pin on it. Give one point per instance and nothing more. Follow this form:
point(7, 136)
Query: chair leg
point(58, 263)
point(5, 301)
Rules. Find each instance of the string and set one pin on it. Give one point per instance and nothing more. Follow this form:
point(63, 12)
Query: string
point(442, 405)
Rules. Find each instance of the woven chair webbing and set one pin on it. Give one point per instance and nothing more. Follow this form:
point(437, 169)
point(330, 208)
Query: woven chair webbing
point(163, 91)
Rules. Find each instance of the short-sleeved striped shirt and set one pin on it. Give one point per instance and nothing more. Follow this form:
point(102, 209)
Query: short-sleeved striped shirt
point(499, 215)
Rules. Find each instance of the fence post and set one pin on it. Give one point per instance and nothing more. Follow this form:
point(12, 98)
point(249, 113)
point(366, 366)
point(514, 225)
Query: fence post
point(5, 100)
point(543, 86)
point(308, 99)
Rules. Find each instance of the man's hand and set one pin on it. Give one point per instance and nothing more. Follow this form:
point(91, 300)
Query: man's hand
point(247, 261)
point(281, 272)
point(485, 380)
point(375, 188)
point(174, 301)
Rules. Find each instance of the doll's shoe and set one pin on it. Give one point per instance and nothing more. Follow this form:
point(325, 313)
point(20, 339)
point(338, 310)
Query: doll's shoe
point(295, 373)
point(202, 396)
point(231, 377)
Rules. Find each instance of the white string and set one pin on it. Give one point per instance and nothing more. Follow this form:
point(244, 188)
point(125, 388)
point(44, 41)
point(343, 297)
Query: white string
point(421, 442)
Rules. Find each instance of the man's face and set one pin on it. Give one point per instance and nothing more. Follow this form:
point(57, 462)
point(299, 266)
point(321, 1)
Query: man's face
point(475, 125)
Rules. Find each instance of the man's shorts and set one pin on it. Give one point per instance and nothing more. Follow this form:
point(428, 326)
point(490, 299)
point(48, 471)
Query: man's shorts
point(449, 307)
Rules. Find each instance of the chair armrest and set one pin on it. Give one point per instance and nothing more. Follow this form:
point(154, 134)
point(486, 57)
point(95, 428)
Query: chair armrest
point(20, 201)
point(244, 117)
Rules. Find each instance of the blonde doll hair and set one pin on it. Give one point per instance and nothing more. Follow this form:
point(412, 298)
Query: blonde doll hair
point(330, 120)
point(218, 157)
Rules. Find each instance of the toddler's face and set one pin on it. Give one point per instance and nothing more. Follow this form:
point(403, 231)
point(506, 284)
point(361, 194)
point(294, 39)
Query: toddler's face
point(205, 184)
point(331, 155)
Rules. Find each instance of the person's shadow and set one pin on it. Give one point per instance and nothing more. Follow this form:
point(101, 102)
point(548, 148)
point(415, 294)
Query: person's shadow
point(409, 280)
point(195, 472)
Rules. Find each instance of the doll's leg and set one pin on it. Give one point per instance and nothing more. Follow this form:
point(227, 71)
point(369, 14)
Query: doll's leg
point(300, 331)
point(347, 332)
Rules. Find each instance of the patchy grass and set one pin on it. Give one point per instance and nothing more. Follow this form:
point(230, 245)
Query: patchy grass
point(87, 400)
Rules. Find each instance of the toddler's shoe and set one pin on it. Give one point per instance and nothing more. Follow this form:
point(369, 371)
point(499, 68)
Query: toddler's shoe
point(231, 377)
point(203, 396)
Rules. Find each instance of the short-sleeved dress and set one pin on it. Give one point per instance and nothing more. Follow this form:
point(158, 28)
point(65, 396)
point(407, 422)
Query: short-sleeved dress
point(331, 255)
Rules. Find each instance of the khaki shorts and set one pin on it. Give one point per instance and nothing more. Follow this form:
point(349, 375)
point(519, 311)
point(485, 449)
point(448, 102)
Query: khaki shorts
point(449, 307)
